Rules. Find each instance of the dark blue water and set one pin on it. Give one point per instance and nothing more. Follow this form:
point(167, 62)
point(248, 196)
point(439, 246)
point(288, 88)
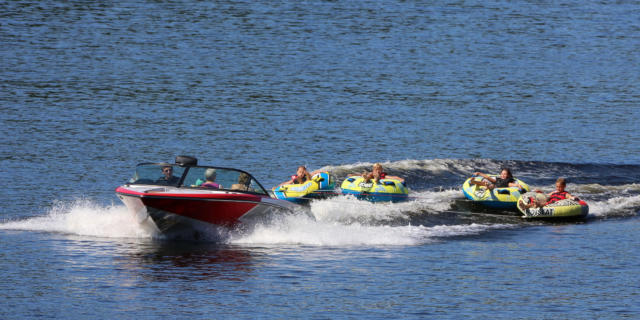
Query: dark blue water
point(433, 90)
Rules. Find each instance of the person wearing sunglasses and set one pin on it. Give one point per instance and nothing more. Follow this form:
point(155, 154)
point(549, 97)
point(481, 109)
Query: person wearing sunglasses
point(167, 176)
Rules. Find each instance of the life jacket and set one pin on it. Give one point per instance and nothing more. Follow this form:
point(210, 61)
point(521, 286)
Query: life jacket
point(557, 196)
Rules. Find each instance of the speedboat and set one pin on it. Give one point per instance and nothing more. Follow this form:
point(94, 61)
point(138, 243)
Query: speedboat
point(181, 197)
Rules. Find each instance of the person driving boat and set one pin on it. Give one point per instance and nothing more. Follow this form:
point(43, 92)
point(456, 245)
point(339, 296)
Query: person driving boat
point(168, 178)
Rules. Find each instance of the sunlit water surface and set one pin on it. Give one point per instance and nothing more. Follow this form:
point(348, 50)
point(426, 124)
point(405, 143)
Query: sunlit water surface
point(434, 91)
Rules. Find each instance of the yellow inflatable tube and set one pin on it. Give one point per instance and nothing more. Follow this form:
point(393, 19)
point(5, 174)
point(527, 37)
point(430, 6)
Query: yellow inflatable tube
point(497, 198)
point(387, 189)
point(321, 185)
point(562, 209)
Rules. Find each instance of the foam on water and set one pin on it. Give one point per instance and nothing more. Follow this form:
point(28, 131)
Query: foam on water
point(346, 221)
point(342, 221)
point(434, 200)
point(302, 230)
point(338, 221)
point(348, 207)
point(84, 217)
point(617, 206)
point(430, 165)
point(462, 167)
point(595, 188)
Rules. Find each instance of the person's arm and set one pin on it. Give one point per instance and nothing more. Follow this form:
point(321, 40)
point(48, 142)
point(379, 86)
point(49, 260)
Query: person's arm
point(515, 184)
point(395, 177)
point(287, 182)
point(486, 176)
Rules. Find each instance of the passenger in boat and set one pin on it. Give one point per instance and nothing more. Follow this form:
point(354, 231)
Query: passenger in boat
point(168, 178)
point(555, 196)
point(244, 180)
point(505, 180)
point(378, 173)
point(210, 176)
point(301, 176)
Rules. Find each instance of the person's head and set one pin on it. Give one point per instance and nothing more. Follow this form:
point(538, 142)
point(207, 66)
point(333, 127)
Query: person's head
point(244, 179)
point(506, 173)
point(377, 168)
point(301, 171)
point(210, 174)
point(561, 184)
point(167, 171)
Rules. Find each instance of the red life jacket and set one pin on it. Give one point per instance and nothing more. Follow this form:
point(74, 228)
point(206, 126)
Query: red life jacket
point(557, 196)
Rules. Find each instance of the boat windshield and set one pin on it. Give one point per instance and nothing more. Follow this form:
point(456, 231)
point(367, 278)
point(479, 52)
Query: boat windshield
point(196, 177)
point(158, 174)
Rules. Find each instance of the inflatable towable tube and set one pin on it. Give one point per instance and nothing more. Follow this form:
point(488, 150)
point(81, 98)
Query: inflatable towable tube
point(387, 190)
point(562, 209)
point(497, 198)
point(320, 186)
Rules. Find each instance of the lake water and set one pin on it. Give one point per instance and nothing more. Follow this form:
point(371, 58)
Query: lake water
point(433, 90)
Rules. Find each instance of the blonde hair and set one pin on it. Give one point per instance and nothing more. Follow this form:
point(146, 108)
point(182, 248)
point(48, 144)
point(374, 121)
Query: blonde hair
point(244, 179)
point(562, 181)
point(377, 165)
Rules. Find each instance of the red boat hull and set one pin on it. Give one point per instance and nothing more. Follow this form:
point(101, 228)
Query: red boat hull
point(176, 211)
